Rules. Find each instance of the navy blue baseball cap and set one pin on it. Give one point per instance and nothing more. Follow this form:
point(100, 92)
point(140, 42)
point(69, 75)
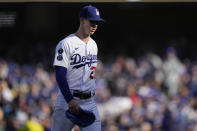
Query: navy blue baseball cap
point(90, 13)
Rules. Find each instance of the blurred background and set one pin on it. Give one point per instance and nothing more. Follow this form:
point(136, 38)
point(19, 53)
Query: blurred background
point(146, 74)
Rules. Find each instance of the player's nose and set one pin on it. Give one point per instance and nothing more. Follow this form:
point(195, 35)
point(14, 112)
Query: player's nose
point(94, 23)
point(94, 26)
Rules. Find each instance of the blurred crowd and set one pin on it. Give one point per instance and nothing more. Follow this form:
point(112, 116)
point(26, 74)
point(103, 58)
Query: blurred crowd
point(148, 93)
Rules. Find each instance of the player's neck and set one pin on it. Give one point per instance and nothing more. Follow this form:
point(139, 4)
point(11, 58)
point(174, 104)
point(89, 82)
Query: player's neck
point(82, 36)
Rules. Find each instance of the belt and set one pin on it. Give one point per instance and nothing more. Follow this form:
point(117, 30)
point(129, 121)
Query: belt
point(83, 95)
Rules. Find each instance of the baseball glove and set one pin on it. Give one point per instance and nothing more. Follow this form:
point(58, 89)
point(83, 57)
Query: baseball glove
point(83, 118)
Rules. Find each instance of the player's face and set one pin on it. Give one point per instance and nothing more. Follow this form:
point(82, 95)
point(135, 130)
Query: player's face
point(90, 26)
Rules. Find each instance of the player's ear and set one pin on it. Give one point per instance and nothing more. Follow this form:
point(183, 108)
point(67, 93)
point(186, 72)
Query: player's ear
point(81, 19)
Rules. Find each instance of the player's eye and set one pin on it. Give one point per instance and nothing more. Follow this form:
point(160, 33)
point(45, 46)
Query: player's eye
point(94, 22)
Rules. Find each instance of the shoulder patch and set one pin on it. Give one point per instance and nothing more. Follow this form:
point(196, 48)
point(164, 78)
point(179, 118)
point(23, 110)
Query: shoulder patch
point(59, 57)
point(60, 51)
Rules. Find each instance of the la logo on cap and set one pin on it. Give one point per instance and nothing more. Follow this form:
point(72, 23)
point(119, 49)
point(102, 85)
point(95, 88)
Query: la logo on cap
point(90, 13)
point(97, 12)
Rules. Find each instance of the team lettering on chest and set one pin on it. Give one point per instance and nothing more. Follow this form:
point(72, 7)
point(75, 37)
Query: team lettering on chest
point(78, 61)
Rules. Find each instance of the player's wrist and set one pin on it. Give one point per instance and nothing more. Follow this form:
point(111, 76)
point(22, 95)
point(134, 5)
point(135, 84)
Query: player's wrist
point(69, 99)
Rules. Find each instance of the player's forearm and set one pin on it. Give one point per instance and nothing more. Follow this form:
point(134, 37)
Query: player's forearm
point(62, 82)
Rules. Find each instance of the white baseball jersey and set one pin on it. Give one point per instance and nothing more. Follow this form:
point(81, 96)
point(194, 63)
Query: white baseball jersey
point(80, 59)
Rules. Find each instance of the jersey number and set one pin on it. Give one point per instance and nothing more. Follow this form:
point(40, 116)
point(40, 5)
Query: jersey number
point(92, 74)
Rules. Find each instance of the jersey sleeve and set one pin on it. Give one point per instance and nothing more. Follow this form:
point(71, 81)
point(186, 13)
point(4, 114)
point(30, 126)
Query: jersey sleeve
point(62, 54)
point(96, 49)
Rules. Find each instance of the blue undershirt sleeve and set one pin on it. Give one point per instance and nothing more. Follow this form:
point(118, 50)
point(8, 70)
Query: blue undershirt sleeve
point(62, 82)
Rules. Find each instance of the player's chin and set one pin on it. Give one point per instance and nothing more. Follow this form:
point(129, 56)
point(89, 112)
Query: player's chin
point(92, 32)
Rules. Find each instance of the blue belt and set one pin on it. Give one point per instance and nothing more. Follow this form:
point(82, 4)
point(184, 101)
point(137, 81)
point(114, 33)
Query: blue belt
point(83, 95)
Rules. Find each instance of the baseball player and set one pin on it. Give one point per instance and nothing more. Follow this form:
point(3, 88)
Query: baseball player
point(75, 63)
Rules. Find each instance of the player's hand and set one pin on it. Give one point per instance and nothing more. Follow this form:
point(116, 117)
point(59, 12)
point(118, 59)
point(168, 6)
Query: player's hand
point(73, 106)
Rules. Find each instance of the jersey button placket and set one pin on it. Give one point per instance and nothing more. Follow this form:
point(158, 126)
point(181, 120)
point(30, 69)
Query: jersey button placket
point(84, 71)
